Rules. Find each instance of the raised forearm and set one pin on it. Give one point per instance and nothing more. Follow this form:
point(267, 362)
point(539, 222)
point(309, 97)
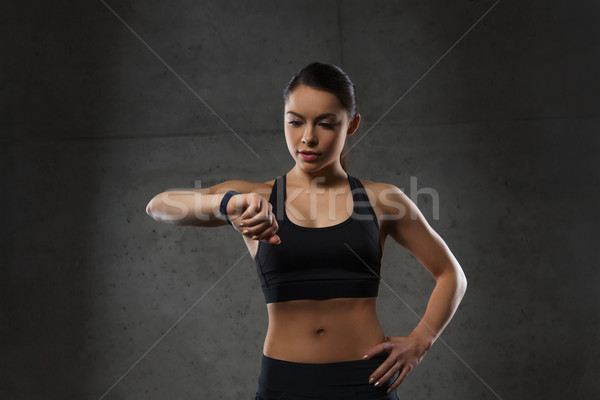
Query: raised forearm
point(182, 207)
point(446, 296)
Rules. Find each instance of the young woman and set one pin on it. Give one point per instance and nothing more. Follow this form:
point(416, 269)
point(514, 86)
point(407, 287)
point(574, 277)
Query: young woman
point(317, 235)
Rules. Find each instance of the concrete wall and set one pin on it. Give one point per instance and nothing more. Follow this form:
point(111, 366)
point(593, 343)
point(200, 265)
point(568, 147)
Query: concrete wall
point(105, 104)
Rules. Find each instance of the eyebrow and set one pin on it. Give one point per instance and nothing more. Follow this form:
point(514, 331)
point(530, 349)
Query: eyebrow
point(322, 116)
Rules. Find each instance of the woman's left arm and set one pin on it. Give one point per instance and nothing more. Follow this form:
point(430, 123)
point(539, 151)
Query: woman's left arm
point(405, 223)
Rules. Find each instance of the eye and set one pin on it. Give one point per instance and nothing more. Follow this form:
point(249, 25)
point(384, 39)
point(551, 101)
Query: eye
point(294, 123)
point(327, 126)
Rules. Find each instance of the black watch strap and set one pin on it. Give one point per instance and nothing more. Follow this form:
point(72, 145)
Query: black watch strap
point(223, 206)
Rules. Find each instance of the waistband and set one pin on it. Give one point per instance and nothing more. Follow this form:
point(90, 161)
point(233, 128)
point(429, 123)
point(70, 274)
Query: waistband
point(284, 375)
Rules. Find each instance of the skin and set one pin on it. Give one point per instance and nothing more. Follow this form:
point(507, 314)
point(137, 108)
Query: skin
point(338, 329)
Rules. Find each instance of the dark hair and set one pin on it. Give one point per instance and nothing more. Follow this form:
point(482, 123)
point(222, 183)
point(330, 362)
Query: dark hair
point(330, 78)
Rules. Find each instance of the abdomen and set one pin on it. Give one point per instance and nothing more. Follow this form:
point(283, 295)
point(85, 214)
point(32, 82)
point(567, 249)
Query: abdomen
point(320, 331)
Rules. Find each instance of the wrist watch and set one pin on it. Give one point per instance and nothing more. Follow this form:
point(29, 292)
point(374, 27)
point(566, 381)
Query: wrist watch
point(223, 206)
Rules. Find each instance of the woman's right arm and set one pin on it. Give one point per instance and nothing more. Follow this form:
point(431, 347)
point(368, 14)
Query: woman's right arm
point(197, 207)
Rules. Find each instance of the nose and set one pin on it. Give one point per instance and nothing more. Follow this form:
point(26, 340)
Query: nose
point(309, 137)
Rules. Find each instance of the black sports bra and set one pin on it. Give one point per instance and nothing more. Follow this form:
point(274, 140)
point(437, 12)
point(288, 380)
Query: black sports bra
point(342, 260)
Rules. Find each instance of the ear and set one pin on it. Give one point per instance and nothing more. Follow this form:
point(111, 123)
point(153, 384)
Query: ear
point(353, 125)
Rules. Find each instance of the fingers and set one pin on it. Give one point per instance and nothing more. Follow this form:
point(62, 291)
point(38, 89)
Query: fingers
point(386, 372)
point(258, 221)
point(384, 347)
point(274, 239)
point(382, 376)
point(399, 362)
point(404, 372)
point(256, 211)
point(383, 372)
point(268, 234)
point(254, 207)
point(387, 369)
point(265, 233)
point(259, 229)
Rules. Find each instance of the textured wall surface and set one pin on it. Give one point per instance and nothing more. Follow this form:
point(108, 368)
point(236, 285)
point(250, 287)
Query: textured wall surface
point(493, 105)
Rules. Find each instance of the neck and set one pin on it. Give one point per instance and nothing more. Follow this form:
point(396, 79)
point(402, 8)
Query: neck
point(325, 177)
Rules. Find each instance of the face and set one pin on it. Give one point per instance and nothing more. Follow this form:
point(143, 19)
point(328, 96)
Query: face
point(319, 118)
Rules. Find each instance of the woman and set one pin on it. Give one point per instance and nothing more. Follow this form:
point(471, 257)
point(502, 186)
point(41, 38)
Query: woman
point(317, 235)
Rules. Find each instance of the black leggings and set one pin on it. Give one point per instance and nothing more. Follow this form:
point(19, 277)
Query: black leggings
point(347, 380)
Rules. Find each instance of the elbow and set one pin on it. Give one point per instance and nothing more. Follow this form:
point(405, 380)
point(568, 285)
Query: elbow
point(156, 210)
point(150, 210)
point(462, 282)
point(455, 277)
point(160, 212)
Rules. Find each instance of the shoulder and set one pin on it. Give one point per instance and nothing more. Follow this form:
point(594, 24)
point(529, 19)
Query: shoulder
point(389, 201)
point(374, 186)
point(379, 190)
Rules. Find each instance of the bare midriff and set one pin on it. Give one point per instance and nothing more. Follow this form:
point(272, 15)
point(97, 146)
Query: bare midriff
point(322, 331)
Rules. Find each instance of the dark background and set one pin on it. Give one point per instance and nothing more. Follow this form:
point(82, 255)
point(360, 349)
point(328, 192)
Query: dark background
point(105, 104)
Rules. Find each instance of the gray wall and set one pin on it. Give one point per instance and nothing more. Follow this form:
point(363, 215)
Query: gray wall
point(98, 118)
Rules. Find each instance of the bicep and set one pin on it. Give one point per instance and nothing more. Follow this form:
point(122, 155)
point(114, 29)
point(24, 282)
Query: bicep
point(406, 224)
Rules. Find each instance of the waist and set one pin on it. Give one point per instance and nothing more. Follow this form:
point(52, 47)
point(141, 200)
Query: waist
point(330, 330)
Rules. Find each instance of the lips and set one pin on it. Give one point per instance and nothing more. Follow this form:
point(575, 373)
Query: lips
point(308, 156)
point(308, 152)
